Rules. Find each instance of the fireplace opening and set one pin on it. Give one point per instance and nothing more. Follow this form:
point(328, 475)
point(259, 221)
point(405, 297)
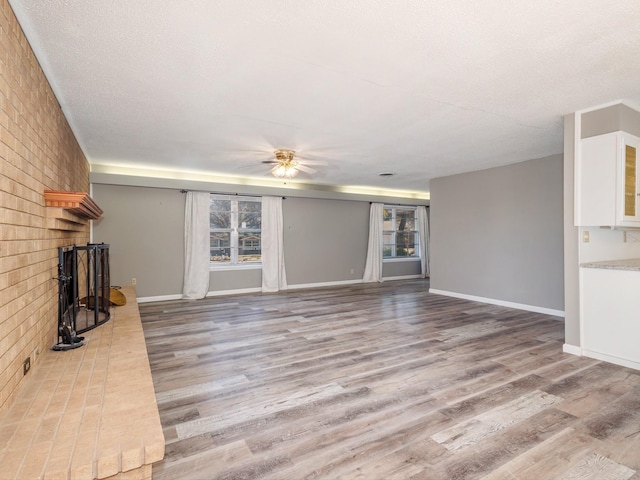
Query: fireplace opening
point(83, 292)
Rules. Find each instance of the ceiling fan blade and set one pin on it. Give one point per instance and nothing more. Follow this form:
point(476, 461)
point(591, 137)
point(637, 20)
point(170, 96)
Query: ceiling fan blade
point(253, 164)
point(316, 155)
point(305, 169)
point(311, 162)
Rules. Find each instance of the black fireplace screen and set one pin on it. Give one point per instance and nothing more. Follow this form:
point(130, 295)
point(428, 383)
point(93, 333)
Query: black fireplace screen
point(84, 288)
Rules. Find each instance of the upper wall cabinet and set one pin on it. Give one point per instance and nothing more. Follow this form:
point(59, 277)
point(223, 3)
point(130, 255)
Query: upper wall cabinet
point(607, 187)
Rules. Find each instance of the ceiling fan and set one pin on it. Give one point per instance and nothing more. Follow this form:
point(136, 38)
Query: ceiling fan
point(286, 166)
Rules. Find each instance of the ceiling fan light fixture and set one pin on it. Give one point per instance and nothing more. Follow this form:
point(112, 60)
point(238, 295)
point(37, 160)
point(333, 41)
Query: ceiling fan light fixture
point(283, 171)
point(286, 165)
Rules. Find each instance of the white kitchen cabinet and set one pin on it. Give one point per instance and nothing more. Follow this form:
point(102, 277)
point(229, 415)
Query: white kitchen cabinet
point(607, 181)
point(610, 315)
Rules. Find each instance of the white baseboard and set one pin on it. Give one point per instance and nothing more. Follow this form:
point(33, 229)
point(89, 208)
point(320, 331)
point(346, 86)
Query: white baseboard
point(237, 291)
point(240, 291)
point(324, 284)
point(161, 298)
point(402, 277)
point(347, 282)
point(218, 293)
point(502, 303)
point(611, 359)
point(572, 349)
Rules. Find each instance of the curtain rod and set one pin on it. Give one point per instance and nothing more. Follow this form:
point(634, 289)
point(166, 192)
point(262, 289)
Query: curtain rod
point(401, 204)
point(230, 194)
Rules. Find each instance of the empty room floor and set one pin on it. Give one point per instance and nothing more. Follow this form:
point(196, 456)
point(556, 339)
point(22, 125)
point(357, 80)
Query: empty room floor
point(382, 381)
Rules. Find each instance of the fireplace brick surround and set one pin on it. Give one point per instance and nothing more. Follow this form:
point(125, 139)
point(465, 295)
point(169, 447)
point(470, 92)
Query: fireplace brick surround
point(85, 413)
point(38, 152)
point(88, 413)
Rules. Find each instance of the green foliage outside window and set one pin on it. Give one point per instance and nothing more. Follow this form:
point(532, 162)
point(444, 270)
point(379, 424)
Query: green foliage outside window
point(235, 230)
point(400, 235)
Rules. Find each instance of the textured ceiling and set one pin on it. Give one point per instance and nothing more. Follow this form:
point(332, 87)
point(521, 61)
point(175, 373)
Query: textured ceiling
point(419, 88)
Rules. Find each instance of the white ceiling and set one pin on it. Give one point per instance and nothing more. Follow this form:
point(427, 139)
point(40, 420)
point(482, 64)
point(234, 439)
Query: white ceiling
point(419, 88)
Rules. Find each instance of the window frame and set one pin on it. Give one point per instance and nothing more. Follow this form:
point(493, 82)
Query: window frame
point(234, 232)
point(417, 245)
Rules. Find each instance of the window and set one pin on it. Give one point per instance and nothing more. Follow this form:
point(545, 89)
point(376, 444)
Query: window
point(400, 234)
point(235, 230)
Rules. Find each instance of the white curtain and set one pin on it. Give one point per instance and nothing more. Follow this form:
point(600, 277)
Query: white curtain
point(423, 232)
point(373, 266)
point(274, 277)
point(196, 245)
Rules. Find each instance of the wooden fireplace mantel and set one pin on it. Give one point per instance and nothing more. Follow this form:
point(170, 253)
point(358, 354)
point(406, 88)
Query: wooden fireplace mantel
point(78, 203)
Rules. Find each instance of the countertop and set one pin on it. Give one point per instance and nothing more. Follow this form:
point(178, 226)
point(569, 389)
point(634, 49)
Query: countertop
point(626, 264)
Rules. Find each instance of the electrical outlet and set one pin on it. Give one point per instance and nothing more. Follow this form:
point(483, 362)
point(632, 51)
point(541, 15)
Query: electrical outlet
point(133, 281)
point(26, 365)
point(352, 271)
point(585, 236)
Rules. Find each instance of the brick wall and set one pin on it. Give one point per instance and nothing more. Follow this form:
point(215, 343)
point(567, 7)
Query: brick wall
point(38, 151)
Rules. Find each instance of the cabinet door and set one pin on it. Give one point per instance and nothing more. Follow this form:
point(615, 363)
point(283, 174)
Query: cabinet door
point(609, 303)
point(629, 191)
point(595, 200)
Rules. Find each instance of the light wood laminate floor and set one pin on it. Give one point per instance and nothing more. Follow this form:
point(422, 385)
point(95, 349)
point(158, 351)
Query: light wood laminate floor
point(382, 381)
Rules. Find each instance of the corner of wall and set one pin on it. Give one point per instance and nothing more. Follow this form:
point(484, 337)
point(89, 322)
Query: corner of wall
point(571, 284)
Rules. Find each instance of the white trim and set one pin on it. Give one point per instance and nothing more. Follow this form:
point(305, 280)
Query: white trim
point(611, 359)
point(142, 175)
point(237, 291)
point(572, 349)
point(502, 303)
point(214, 267)
point(160, 298)
point(402, 277)
point(577, 154)
point(240, 291)
point(215, 293)
point(324, 284)
point(400, 259)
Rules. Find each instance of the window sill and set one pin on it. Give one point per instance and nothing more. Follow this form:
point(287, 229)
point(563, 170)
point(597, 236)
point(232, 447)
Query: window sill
point(228, 267)
point(400, 259)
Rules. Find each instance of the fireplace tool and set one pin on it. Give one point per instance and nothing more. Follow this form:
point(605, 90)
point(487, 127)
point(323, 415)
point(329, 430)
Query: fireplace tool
point(67, 338)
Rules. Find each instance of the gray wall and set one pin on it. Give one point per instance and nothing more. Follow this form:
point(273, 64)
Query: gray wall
point(498, 233)
point(225, 280)
point(609, 119)
point(324, 241)
point(144, 228)
point(400, 269)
